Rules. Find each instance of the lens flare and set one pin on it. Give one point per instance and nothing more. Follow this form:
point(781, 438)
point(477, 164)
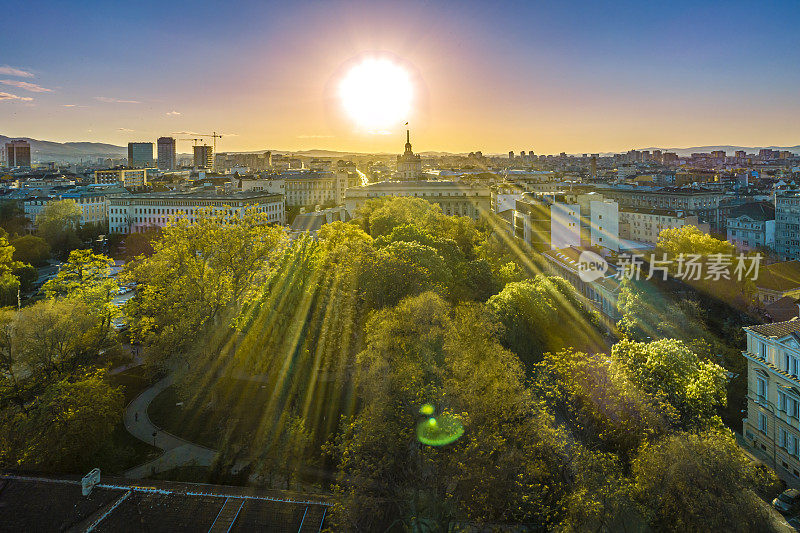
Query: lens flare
point(439, 431)
point(377, 94)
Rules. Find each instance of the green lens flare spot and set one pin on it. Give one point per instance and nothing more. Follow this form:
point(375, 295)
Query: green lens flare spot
point(426, 409)
point(439, 431)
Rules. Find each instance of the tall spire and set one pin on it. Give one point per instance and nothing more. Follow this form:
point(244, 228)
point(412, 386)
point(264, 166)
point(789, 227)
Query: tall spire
point(408, 142)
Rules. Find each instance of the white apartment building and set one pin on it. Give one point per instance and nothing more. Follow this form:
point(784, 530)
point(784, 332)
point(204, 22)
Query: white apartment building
point(563, 220)
point(565, 226)
point(773, 393)
point(93, 204)
point(135, 213)
point(604, 224)
point(752, 226)
point(455, 198)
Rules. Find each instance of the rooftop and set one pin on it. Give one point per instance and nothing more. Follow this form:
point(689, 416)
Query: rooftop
point(760, 211)
point(203, 195)
point(777, 329)
point(781, 276)
point(56, 504)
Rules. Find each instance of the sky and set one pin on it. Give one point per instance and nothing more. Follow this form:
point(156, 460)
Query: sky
point(572, 76)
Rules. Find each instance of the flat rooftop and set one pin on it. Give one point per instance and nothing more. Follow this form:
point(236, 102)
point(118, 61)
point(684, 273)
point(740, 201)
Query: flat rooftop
point(29, 503)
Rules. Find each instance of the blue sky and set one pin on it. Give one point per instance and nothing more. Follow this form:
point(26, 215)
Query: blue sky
point(552, 76)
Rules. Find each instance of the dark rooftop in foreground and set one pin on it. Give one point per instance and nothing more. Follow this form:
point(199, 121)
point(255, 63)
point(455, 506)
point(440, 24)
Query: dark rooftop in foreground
point(56, 504)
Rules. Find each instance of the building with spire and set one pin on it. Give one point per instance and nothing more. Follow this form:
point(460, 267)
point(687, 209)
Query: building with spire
point(409, 165)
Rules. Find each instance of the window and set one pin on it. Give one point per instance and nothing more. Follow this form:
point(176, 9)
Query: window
point(761, 390)
point(784, 439)
point(762, 422)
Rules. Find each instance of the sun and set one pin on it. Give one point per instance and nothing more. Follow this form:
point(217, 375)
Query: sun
point(377, 94)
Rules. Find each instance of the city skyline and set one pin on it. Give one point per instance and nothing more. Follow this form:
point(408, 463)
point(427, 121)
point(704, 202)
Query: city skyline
point(574, 77)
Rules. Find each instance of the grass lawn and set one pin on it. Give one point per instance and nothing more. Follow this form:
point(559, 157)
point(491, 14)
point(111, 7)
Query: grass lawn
point(203, 424)
point(186, 473)
point(133, 381)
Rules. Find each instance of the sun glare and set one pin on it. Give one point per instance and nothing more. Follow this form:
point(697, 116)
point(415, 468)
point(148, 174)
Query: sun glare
point(376, 94)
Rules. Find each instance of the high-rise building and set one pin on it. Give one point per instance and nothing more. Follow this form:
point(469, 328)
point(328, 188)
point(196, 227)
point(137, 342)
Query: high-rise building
point(17, 154)
point(511, 154)
point(140, 155)
point(203, 157)
point(167, 155)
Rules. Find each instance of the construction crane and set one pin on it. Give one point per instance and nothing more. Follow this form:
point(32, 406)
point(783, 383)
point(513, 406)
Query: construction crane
point(213, 135)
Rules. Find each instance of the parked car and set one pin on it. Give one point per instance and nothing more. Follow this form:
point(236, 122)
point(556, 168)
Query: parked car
point(795, 523)
point(787, 501)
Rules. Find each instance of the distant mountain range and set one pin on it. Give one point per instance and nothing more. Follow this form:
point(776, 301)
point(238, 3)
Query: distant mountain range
point(74, 152)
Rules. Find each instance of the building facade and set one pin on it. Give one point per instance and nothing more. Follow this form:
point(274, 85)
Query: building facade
point(130, 178)
point(256, 162)
point(17, 154)
point(167, 153)
point(645, 225)
point(702, 203)
point(203, 157)
point(93, 203)
point(772, 425)
point(455, 198)
point(140, 155)
point(135, 213)
point(787, 224)
point(305, 187)
point(752, 226)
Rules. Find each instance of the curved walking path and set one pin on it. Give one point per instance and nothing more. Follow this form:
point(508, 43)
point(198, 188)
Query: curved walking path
point(177, 451)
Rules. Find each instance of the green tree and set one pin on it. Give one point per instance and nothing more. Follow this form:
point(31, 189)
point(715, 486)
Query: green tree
point(58, 224)
point(54, 336)
point(12, 217)
point(12, 366)
point(690, 240)
point(68, 424)
point(9, 268)
point(87, 276)
point(403, 269)
point(196, 272)
point(701, 482)
point(600, 398)
point(544, 314)
point(688, 390)
point(507, 466)
point(601, 499)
